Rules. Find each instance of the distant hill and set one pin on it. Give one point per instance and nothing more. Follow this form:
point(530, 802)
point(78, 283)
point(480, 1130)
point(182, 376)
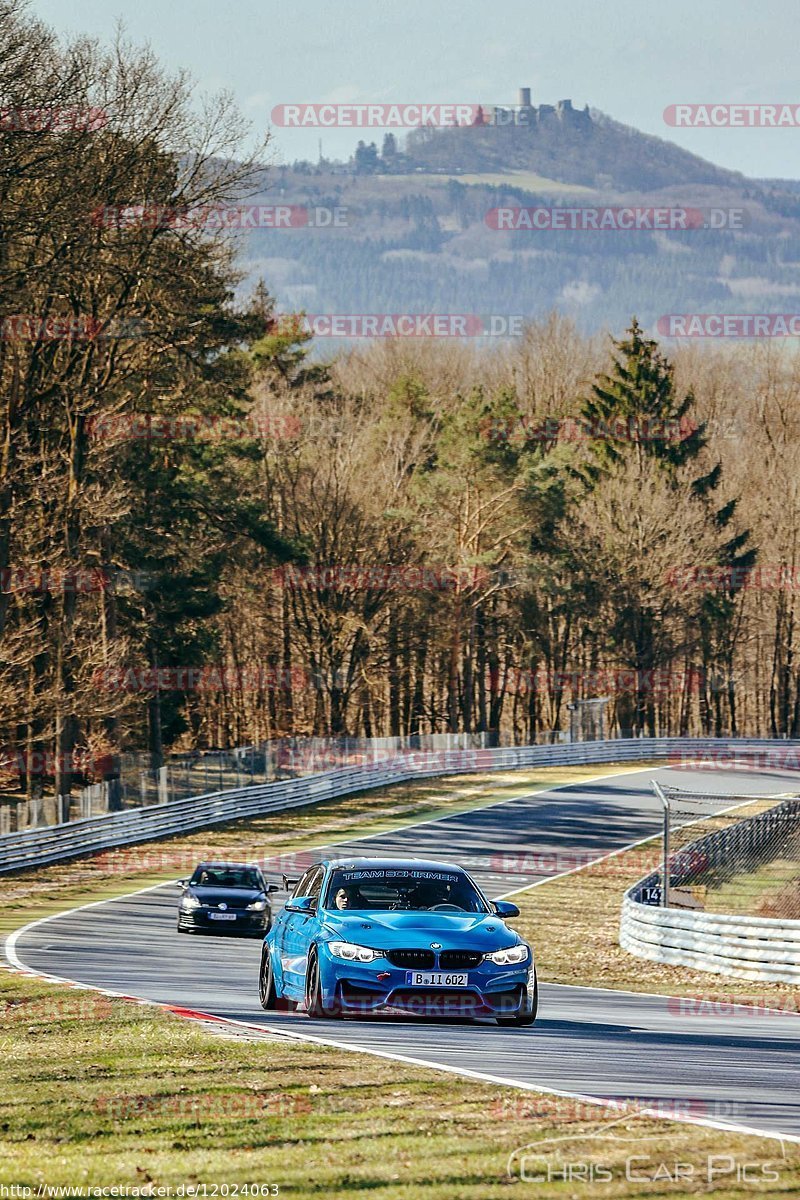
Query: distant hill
point(571, 145)
point(417, 236)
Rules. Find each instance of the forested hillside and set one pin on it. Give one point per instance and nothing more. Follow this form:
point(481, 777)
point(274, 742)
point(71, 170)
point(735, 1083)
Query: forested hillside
point(208, 537)
point(429, 243)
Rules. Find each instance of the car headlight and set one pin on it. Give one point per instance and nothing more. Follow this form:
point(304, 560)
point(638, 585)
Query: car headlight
point(190, 901)
point(509, 956)
point(257, 906)
point(353, 953)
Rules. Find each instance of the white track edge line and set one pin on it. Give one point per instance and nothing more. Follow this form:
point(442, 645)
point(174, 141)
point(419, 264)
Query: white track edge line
point(9, 947)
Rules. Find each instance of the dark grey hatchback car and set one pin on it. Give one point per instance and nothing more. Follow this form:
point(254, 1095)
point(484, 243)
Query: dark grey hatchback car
point(225, 897)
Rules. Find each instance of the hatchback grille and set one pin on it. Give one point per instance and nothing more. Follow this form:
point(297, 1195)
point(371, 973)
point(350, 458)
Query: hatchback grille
point(453, 960)
point(410, 958)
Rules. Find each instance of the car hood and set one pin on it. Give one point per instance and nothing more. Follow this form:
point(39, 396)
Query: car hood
point(233, 897)
point(388, 930)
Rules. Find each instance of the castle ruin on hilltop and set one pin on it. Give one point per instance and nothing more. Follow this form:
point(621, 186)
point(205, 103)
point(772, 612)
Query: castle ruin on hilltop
point(525, 113)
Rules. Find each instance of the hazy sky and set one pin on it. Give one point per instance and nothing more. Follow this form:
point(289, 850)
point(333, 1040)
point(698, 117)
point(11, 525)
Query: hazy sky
point(630, 58)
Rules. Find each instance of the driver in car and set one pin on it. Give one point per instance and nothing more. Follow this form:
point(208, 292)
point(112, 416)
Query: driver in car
point(347, 898)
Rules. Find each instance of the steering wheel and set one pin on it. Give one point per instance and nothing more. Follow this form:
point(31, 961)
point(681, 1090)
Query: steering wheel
point(446, 908)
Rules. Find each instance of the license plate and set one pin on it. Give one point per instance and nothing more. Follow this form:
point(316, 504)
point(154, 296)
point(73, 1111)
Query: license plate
point(436, 979)
point(222, 916)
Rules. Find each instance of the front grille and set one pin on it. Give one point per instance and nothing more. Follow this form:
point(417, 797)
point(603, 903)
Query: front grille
point(410, 958)
point(457, 960)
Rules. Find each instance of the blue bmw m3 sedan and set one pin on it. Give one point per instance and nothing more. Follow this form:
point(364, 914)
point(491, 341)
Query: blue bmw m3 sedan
point(367, 936)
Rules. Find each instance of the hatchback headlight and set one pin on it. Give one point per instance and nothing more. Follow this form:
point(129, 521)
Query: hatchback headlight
point(190, 901)
point(350, 952)
point(509, 956)
point(257, 906)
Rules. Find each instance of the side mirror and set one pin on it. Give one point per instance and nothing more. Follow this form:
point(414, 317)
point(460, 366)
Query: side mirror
point(273, 887)
point(504, 908)
point(303, 904)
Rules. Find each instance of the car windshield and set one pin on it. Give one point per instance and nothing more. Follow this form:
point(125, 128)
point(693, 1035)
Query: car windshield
point(391, 888)
point(226, 877)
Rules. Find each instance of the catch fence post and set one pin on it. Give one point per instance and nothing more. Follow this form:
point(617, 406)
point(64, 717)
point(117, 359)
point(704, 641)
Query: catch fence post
point(659, 791)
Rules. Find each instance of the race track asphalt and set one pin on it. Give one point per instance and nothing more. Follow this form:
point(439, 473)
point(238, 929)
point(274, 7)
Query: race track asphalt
point(734, 1067)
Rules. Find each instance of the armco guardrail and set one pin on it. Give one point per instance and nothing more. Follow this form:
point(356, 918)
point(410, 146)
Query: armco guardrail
point(762, 948)
point(35, 847)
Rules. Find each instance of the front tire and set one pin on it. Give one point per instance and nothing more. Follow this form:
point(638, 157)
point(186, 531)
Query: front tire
point(267, 993)
point(315, 1006)
point(527, 1014)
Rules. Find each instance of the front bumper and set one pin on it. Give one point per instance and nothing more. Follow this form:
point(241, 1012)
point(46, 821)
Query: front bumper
point(243, 923)
point(360, 989)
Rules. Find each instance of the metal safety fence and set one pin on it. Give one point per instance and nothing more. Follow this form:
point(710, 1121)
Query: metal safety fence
point(88, 835)
point(727, 896)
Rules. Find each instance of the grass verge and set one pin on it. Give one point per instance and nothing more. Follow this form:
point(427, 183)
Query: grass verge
point(573, 923)
point(105, 1093)
point(101, 1092)
point(772, 890)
